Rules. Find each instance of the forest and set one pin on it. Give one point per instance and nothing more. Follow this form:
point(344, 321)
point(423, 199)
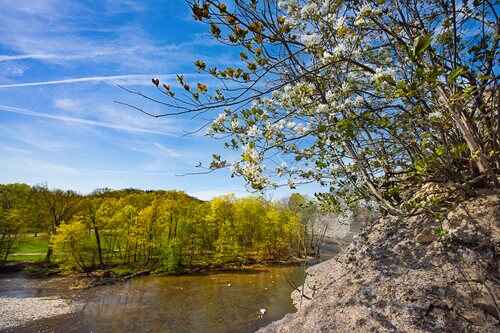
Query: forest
point(164, 230)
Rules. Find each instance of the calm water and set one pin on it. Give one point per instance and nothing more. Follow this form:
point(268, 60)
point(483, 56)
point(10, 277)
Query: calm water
point(222, 302)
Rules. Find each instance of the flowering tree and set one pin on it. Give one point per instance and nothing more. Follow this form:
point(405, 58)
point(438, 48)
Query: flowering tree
point(367, 98)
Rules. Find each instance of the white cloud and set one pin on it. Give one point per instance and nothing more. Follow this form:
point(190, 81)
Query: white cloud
point(14, 150)
point(67, 104)
point(124, 80)
point(169, 152)
point(62, 32)
point(33, 170)
point(123, 6)
point(119, 79)
point(82, 121)
point(4, 58)
point(13, 70)
point(57, 31)
point(32, 136)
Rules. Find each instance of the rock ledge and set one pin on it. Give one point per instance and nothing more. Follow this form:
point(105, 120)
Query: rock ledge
point(409, 275)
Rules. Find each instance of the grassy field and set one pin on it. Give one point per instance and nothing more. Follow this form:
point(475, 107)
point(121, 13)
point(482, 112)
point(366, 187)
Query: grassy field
point(30, 248)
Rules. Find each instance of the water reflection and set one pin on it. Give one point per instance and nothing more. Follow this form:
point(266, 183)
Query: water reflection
point(225, 302)
point(222, 302)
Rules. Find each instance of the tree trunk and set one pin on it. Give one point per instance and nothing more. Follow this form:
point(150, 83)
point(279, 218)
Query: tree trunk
point(50, 251)
point(98, 241)
point(170, 228)
point(371, 186)
point(49, 254)
point(465, 127)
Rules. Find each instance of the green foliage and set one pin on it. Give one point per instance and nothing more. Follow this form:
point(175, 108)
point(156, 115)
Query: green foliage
point(120, 271)
point(171, 256)
point(30, 248)
point(29, 243)
point(15, 216)
point(165, 230)
point(73, 246)
point(421, 44)
point(358, 95)
point(441, 232)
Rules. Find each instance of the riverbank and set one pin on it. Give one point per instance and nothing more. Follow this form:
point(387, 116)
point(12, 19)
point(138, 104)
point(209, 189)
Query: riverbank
point(122, 274)
point(117, 274)
point(24, 299)
point(16, 311)
point(208, 303)
point(64, 297)
point(400, 275)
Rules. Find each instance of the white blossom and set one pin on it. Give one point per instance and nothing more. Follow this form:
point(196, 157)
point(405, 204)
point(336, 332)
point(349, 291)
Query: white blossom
point(339, 24)
point(322, 108)
point(309, 10)
point(359, 101)
point(251, 153)
point(253, 131)
point(339, 50)
point(287, 5)
point(311, 40)
point(435, 115)
point(221, 118)
point(235, 124)
point(330, 95)
point(366, 10)
point(383, 73)
point(300, 129)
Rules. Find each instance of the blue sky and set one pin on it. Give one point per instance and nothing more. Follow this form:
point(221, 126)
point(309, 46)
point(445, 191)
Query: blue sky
point(60, 62)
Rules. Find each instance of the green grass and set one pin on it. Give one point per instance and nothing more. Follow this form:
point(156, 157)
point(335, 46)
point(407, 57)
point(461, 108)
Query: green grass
point(26, 258)
point(30, 248)
point(122, 271)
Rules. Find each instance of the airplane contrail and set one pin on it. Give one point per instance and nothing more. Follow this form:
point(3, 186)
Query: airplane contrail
point(133, 79)
point(26, 56)
point(26, 112)
point(138, 77)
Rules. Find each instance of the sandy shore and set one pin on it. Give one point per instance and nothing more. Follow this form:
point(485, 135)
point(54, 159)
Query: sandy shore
point(16, 311)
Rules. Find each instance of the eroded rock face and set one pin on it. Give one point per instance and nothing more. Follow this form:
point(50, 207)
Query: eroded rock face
point(399, 276)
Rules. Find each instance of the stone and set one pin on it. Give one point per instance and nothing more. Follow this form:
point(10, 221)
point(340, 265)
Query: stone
point(425, 291)
point(427, 236)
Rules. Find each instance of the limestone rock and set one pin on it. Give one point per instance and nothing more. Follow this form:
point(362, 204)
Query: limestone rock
point(386, 281)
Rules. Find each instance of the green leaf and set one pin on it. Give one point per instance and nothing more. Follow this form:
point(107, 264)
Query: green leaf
point(421, 44)
point(454, 74)
point(440, 151)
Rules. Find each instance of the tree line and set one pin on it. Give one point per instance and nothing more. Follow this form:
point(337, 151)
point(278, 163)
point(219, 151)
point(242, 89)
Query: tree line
point(166, 230)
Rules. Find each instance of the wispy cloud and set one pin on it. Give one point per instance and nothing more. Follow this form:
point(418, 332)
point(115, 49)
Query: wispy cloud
point(76, 33)
point(4, 58)
point(15, 150)
point(81, 121)
point(80, 55)
point(59, 60)
point(67, 104)
point(127, 79)
point(38, 167)
point(169, 152)
point(119, 79)
point(57, 32)
point(29, 135)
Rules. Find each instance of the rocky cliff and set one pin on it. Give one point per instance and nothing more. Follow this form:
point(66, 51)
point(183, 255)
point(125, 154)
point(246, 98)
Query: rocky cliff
point(411, 274)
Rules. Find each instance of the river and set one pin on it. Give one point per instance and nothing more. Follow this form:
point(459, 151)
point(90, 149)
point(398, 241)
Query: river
point(213, 302)
point(216, 302)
